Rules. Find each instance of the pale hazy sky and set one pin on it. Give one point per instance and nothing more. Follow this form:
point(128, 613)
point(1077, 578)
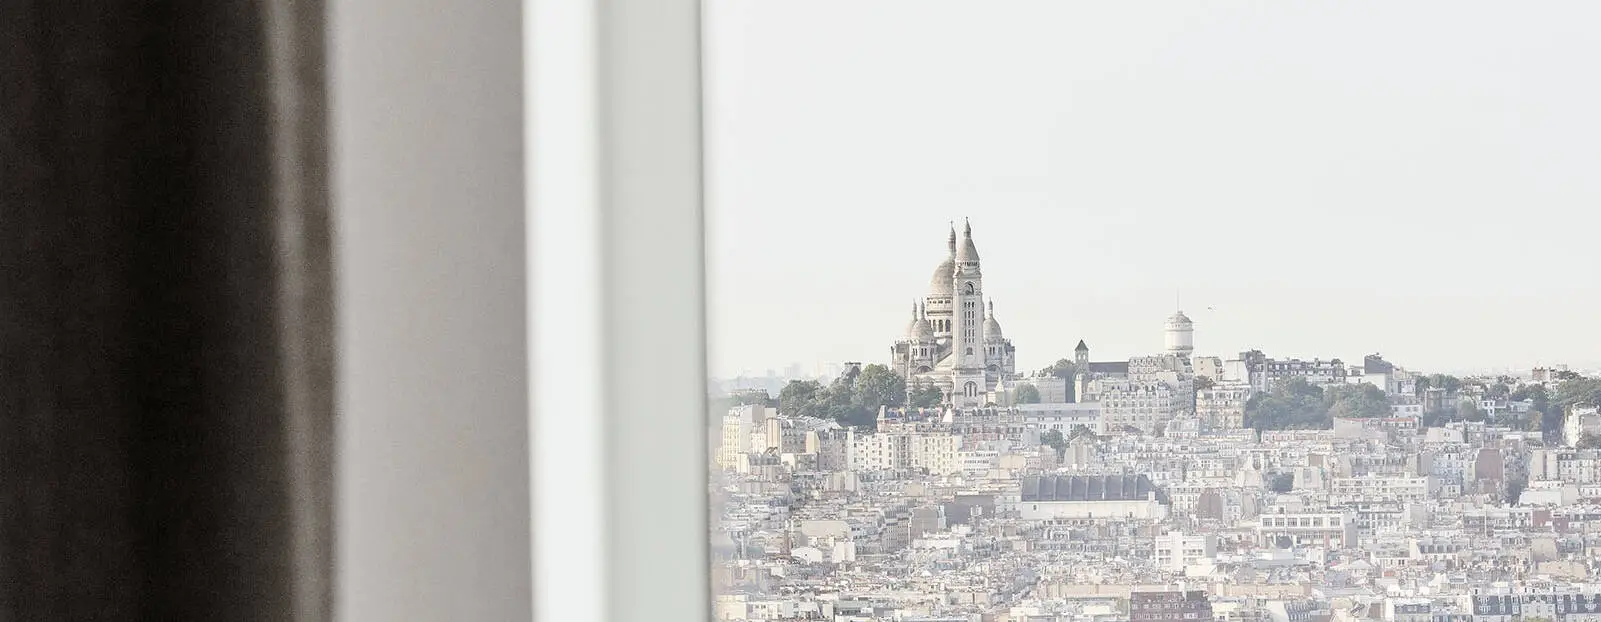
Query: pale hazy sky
point(1419, 179)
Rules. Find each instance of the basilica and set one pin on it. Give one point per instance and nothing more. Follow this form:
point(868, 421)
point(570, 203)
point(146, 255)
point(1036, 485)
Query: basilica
point(954, 341)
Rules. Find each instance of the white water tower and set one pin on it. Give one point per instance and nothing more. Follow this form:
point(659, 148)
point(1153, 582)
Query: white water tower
point(1180, 335)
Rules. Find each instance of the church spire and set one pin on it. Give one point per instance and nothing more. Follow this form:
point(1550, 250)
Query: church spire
point(951, 243)
point(992, 308)
point(968, 251)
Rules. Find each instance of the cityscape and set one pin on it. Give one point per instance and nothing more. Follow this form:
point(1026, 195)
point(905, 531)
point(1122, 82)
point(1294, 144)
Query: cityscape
point(944, 483)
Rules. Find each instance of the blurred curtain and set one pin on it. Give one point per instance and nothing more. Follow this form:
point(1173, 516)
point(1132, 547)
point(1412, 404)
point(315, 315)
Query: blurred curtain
point(166, 338)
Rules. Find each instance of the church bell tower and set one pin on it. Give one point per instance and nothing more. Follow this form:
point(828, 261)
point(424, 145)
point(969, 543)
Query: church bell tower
point(968, 378)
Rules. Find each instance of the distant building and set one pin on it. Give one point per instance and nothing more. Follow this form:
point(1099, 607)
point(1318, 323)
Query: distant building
point(1406, 407)
point(1141, 405)
point(1169, 606)
point(1575, 603)
point(1547, 375)
point(1062, 417)
point(1263, 372)
point(1179, 335)
point(1210, 367)
point(741, 426)
point(1223, 405)
point(1109, 497)
point(1088, 371)
point(1052, 390)
point(1145, 392)
point(1176, 550)
point(1581, 420)
point(1565, 465)
point(1385, 487)
point(953, 341)
point(1333, 530)
point(938, 453)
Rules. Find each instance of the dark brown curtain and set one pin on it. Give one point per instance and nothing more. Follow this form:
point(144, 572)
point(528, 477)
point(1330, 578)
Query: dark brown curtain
point(166, 405)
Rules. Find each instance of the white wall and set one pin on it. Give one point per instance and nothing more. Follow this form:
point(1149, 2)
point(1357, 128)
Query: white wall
point(433, 473)
point(434, 508)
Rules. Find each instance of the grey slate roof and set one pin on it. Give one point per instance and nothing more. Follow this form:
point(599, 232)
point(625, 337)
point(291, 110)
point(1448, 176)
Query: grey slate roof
point(1086, 488)
point(1110, 367)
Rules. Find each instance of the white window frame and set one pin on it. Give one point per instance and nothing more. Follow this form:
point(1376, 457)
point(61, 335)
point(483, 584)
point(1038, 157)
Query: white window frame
point(471, 186)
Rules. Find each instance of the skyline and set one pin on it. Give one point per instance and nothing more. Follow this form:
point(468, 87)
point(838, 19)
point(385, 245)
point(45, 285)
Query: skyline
point(1429, 203)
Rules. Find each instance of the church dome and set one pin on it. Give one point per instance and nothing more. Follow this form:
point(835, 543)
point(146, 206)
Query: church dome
point(992, 328)
point(943, 282)
point(919, 329)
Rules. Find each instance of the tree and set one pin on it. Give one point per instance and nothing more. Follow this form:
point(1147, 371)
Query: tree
point(749, 397)
point(1361, 401)
point(1281, 482)
point(1575, 391)
point(1514, 488)
point(1543, 415)
point(859, 418)
point(800, 398)
point(1451, 384)
point(1437, 417)
point(1467, 410)
point(849, 400)
point(1536, 394)
point(1067, 370)
point(1203, 383)
point(925, 396)
point(839, 402)
point(1293, 404)
point(1054, 440)
point(1568, 375)
point(1062, 368)
point(1027, 394)
point(1588, 440)
point(878, 386)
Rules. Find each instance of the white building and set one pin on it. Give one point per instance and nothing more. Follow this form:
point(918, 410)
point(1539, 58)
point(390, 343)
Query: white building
point(1179, 335)
point(1264, 374)
point(789, 434)
point(1141, 405)
point(1052, 390)
point(939, 453)
point(1176, 551)
point(1223, 405)
point(1565, 465)
point(951, 342)
point(1211, 367)
point(1089, 497)
point(832, 448)
point(1332, 530)
point(1581, 420)
point(1402, 489)
point(741, 429)
point(1062, 417)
